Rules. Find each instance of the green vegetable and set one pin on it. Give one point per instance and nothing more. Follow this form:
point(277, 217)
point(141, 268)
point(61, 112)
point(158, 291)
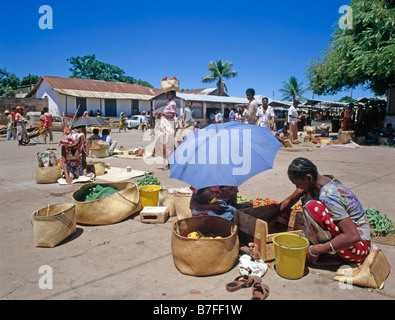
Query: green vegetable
point(98, 192)
point(148, 179)
point(382, 226)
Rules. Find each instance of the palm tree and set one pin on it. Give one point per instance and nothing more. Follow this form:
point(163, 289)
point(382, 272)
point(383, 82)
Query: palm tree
point(292, 90)
point(220, 71)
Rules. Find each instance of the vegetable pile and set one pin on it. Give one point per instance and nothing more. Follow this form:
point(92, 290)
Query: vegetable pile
point(148, 180)
point(257, 202)
point(381, 226)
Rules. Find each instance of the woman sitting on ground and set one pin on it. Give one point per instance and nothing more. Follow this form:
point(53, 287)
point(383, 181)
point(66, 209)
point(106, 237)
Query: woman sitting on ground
point(335, 221)
point(74, 149)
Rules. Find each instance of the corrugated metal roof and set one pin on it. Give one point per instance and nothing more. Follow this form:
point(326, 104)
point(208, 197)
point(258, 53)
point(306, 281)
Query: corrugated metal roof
point(98, 89)
point(103, 95)
point(209, 98)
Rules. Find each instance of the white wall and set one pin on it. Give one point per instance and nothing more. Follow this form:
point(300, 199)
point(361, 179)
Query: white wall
point(144, 106)
point(60, 104)
point(124, 106)
point(45, 91)
point(92, 104)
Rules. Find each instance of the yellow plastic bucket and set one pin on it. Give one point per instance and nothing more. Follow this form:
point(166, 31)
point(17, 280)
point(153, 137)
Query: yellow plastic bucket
point(290, 252)
point(149, 195)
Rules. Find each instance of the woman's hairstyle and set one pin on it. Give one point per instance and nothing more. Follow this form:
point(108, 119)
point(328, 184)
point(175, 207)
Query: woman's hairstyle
point(105, 132)
point(301, 167)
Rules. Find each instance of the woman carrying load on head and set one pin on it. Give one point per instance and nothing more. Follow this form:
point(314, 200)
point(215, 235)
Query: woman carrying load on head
point(335, 221)
point(165, 141)
point(74, 149)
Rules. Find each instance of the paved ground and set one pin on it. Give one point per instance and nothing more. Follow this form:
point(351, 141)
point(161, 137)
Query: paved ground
point(132, 260)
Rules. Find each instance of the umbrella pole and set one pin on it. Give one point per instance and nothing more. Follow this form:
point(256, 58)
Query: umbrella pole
point(75, 114)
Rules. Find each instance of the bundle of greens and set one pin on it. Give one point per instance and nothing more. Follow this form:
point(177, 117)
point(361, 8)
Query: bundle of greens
point(98, 192)
point(148, 179)
point(381, 226)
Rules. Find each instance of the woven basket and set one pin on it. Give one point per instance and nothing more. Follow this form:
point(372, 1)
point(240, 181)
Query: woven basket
point(110, 209)
point(182, 205)
point(325, 141)
point(204, 257)
point(48, 174)
point(53, 223)
point(170, 85)
point(346, 136)
point(371, 273)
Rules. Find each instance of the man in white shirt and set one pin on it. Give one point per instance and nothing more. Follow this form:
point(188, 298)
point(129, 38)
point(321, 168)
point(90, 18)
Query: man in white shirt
point(293, 119)
point(252, 106)
point(265, 114)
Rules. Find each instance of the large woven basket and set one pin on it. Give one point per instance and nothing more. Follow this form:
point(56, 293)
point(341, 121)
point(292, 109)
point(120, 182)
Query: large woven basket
point(110, 209)
point(53, 223)
point(204, 257)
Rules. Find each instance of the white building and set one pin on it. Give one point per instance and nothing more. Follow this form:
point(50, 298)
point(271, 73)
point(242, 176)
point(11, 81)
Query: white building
point(65, 95)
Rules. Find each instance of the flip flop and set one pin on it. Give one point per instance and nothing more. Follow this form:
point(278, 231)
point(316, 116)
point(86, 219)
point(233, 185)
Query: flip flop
point(259, 291)
point(240, 282)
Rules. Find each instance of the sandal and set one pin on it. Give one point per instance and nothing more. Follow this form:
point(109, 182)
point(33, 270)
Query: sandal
point(240, 282)
point(259, 291)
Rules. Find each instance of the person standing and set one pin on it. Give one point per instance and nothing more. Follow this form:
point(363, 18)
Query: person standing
point(348, 118)
point(293, 118)
point(231, 115)
point(143, 121)
point(48, 119)
point(220, 117)
point(265, 114)
point(152, 122)
point(19, 118)
point(165, 141)
point(122, 122)
point(238, 116)
point(10, 125)
point(188, 115)
point(252, 106)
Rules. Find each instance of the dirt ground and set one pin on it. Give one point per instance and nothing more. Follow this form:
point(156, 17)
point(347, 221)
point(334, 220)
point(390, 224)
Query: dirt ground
point(133, 260)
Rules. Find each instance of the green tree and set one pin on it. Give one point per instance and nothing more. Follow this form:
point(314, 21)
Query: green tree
point(88, 67)
point(361, 55)
point(220, 71)
point(347, 99)
point(8, 83)
point(292, 90)
point(30, 79)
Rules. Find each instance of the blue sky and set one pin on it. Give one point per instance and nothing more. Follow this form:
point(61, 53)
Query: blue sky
point(267, 41)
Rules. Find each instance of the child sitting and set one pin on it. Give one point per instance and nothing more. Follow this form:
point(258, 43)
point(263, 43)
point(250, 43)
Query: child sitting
point(207, 201)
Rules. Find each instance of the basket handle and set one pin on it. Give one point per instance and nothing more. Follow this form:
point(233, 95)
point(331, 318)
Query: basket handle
point(31, 217)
